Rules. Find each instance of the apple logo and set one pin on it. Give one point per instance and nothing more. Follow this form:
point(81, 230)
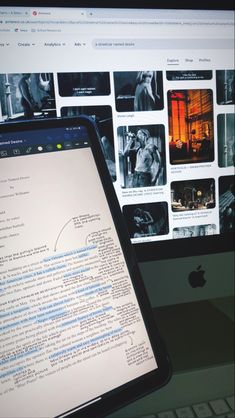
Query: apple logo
point(196, 277)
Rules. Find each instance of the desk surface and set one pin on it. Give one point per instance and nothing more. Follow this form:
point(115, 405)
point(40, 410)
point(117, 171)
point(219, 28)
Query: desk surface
point(200, 341)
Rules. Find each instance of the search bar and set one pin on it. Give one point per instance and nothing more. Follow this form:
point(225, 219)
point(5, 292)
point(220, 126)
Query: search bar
point(225, 43)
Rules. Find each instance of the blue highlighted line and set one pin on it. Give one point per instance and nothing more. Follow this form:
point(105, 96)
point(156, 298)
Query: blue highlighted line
point(50, 316)
point(41, 317)
point(83, 255)
point(12, 371)
point(93, 289)
point(98, 290)
point(89, 287)
point(34, 274)
point(19, 356)
point(14, 324)
point(15, 312)
point(87, 316)
point(56, 303)
point(75, 272)
point(69, 253)
point(85, 343)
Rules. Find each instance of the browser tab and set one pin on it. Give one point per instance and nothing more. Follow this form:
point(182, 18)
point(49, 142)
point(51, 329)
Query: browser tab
point(56, 13)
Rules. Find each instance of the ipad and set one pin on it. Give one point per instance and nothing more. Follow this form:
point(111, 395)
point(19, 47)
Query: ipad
point(77, 336)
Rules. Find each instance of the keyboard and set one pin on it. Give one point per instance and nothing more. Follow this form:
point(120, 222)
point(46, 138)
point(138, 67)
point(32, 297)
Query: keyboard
point(217, 408)
point(198, 393)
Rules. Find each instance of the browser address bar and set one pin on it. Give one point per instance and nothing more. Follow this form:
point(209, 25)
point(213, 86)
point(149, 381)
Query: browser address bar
point(117, 22)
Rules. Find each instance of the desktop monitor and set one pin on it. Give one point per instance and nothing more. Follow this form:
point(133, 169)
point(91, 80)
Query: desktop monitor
point(159, 83)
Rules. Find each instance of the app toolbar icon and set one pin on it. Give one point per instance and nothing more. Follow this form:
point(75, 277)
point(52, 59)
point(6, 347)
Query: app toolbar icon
point(68, 144)
point(3, 153)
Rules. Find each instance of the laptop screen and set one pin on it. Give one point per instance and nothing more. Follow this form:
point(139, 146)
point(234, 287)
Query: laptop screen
point(160, 86)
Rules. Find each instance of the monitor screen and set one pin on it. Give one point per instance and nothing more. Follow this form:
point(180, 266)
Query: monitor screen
point(159, 83)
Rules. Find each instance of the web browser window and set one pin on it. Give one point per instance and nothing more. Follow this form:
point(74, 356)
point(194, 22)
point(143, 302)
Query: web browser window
point(159, 85)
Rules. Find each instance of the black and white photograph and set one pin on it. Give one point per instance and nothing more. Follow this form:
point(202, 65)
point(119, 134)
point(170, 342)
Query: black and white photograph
point(225, 87)
point(84, 84)
point(137, 91)
point(146, 220)
point(102, 116)
point(189, 195)
point(226, 140)
point(191, 126)
point(194, 231)
point(226, 203)
point(142, 158)
point(25, 96)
